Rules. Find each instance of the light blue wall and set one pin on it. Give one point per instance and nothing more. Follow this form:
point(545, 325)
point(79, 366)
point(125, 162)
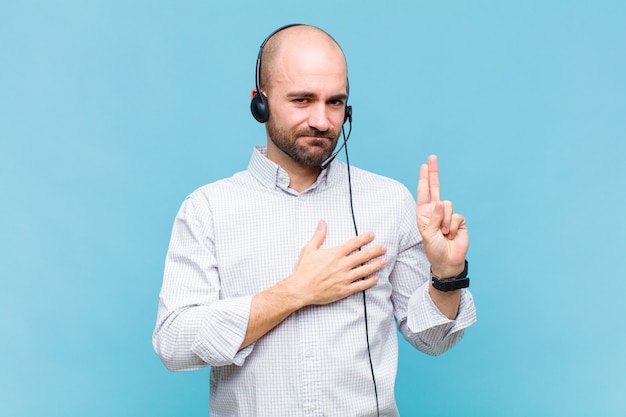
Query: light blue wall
point(112, 111)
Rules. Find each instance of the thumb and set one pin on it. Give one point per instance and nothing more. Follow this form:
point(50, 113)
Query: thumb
point(319, 236)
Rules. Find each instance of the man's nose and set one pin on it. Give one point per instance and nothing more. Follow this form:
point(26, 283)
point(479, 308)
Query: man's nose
point(318, 118)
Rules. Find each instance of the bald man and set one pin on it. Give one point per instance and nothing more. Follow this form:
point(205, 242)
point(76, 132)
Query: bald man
point(266, 280)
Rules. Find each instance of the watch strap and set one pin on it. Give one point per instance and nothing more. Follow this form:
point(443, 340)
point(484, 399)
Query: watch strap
point(452, 283)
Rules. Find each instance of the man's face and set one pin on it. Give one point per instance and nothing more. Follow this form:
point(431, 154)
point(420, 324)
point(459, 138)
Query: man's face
point(307, 98)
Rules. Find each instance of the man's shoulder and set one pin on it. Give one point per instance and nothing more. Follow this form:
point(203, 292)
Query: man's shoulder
point(222, 188)
point(362, 177)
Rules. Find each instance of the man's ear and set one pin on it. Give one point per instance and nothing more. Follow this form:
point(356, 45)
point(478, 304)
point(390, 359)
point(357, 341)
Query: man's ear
point(253, 93)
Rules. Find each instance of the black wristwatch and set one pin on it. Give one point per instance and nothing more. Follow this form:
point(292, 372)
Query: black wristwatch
point(452, 283)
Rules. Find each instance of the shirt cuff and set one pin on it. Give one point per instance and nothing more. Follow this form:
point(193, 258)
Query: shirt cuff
point(426, 316)
point(223, 331)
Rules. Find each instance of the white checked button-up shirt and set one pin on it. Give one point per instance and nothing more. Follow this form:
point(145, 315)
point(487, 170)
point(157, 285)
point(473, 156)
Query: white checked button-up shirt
point(239, 236)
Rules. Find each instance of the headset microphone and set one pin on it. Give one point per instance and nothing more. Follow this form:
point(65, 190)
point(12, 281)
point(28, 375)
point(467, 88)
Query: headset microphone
point(348, 118)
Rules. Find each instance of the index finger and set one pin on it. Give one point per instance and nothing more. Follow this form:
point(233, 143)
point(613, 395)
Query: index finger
point(356, 243)
point(423, 191)
point(433, 178)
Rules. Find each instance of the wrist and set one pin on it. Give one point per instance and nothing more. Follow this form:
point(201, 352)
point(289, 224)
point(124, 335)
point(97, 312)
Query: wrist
point(291, 296)
point(447, 271)
point(451, 283)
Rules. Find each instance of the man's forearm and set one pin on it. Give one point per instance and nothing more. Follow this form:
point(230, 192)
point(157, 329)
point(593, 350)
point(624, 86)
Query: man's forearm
point(267, 310)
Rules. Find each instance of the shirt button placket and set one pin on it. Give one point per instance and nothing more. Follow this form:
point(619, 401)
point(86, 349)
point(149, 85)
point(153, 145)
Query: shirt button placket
point(309, 341)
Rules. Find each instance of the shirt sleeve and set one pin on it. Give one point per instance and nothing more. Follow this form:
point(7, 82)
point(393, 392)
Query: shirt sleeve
point(419, 320)
point(195, 328)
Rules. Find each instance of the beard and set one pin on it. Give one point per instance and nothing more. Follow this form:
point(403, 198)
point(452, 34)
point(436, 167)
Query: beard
point(304, 154)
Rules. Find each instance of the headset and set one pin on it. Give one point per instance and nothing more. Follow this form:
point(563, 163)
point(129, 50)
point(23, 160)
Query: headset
point(261, 112)
point(259, 105)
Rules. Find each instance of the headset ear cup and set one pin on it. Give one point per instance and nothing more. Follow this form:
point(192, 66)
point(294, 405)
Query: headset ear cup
point(348, 115)
point(259, 108)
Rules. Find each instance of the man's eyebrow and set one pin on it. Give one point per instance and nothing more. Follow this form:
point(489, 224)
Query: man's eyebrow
point(308, 94)
point(341, 97)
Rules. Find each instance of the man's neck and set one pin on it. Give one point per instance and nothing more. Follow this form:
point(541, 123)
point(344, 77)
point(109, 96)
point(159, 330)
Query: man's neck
point(300, 181)
point(300, 177)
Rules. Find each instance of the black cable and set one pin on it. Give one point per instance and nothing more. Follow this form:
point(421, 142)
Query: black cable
point(356, 232)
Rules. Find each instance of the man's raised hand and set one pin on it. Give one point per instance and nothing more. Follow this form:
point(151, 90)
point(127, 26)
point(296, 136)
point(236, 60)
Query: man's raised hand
point(444, 232)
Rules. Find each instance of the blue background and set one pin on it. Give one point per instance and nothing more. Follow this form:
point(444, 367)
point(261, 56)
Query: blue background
point(111, 112)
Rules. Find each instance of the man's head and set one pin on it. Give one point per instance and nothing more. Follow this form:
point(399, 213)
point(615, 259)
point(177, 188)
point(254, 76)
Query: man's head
point(303, 74)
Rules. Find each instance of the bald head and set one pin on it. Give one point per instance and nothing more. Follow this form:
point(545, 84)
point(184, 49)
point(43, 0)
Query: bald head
point(306, 42)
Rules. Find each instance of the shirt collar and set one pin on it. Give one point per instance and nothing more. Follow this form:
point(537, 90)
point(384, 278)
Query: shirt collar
point(271, 175)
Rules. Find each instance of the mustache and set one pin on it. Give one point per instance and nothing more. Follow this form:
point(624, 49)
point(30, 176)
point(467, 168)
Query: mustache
point(316, 133)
